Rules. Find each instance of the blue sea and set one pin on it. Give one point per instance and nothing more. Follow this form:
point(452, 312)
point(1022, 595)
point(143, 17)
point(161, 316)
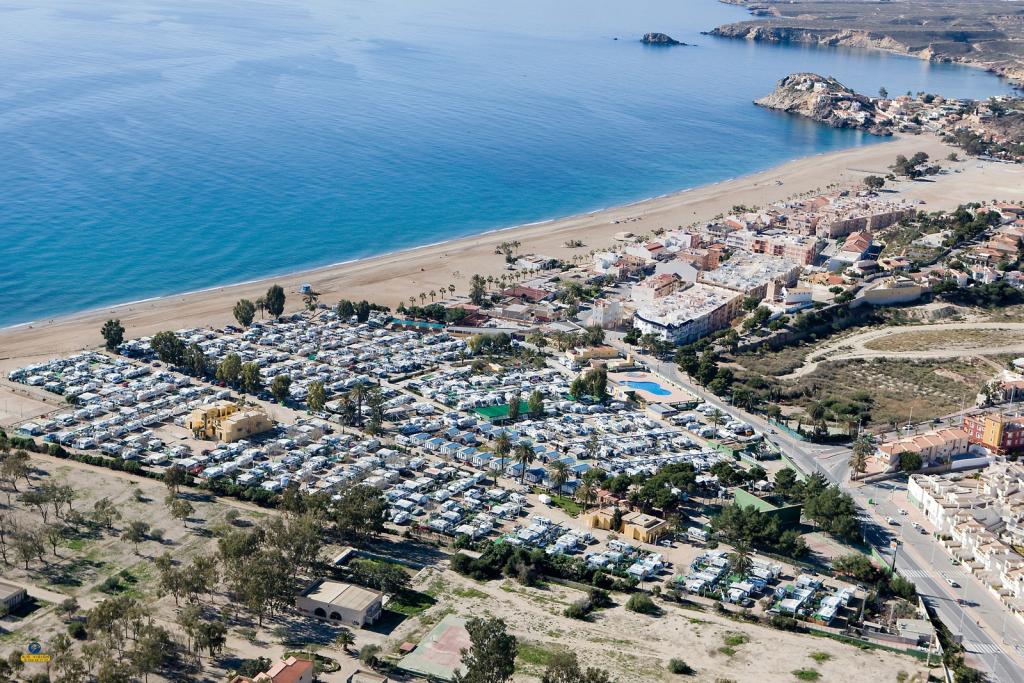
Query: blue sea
point(153, 147)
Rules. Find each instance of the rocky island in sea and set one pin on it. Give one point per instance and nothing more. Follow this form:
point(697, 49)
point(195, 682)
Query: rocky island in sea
point(826, 100)
point(660, 39)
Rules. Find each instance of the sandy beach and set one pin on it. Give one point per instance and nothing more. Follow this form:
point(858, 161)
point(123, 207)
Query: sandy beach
point(392, 278)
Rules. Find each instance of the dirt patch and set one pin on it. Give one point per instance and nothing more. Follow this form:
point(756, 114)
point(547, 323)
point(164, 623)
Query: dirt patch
point(638, 648)
point(941, 339)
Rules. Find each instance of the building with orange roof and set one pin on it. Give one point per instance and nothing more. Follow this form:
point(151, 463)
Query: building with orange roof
point(935, 446)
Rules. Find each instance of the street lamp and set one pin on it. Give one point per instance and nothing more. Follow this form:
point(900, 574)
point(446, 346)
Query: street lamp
point(896, 543)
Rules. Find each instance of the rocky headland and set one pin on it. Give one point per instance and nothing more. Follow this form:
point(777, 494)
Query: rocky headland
point(825, 100)
point(981, 33)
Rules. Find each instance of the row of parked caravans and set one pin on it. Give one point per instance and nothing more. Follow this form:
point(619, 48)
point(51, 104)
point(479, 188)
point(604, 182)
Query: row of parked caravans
point(343, 344)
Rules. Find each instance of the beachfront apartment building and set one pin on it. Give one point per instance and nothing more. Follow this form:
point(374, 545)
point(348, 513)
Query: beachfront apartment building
point(751, 274)
point(844, 215)
point(692, 312)
point(935, 446)
point(802, 249)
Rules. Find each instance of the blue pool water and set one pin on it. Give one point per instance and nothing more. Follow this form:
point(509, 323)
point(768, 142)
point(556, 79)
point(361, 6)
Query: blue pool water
point(153, 147)
point(650, 387)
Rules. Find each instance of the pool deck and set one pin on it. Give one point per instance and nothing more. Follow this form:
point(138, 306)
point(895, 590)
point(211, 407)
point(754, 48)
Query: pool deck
point(675, 395)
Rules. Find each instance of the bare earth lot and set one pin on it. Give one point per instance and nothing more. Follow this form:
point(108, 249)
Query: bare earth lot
point(637, 648)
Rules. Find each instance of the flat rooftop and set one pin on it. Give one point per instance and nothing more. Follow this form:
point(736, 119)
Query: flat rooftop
point(343, 595)
point(686, 304)
point(9, 590)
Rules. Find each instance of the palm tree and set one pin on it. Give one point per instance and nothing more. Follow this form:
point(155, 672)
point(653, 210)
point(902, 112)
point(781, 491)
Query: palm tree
point(584, 492)
point(862, 448)
point(558, 473)
point(740, 560)
point(357, 394)
point(412, 301)
point(345, 639)
point(451, 290)
point(261, 306)
point(423, 298)
point(524, 456)
point(433, 295)
point(490, 281)
point(502, 445)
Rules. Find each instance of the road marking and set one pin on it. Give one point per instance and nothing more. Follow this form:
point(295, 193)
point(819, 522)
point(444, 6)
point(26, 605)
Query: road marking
point(914, 573)
point(982, 648)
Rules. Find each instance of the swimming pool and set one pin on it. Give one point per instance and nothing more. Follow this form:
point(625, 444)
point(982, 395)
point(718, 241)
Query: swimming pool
point(649, 387)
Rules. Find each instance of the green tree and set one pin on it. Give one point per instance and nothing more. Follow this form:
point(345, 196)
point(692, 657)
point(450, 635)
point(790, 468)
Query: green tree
point(174, 478)
point(513, 406)
point(564, 667)
point(317, 397)
point(250, 378)
point(360, 512)
point(558, 474)
point(195, 362)
point(280, 387)
point(345, 309)
point(910, 461)
point(180, 509)
point(274, 300)
point(863, 447)
point(477, 290)
point(740, 560)
point(230, 369)
point(874, 182)
point(491, 657)
point(535, 404)
point(113, 334)
point(524, 455)
point(362, 311)
point(244, 312)
point(345, 639)
point(105, 512)
point(135, 533)
point(168, 347)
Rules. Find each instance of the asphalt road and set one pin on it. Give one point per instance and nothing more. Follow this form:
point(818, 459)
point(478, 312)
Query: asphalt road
point(984, 626)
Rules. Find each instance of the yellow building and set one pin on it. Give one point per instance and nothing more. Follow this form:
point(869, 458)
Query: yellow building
point(226, 421)
point(636, 526)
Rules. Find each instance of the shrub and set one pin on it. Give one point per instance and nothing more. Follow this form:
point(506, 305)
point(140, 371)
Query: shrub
point(807, 674)
point(76, 630)
point(784, 623)
point(678, 666)
point(599, 598)
point(641, 604)
point(580, 609)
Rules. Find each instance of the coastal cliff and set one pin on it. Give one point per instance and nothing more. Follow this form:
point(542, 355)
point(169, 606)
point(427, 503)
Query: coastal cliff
point(981, 35)
point(825, 100)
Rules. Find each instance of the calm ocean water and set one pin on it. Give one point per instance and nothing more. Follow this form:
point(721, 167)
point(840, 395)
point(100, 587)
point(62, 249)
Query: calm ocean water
point(152, 147)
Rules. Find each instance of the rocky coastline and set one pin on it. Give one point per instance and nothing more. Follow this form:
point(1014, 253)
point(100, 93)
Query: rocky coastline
point(827, 101)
